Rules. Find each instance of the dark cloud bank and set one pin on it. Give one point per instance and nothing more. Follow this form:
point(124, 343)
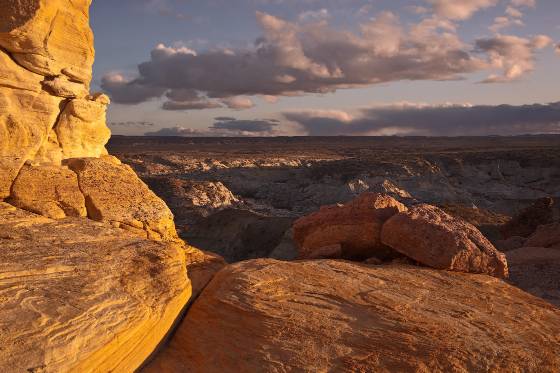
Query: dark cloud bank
point(404, 119)
point(224, 126)
point(505, 120)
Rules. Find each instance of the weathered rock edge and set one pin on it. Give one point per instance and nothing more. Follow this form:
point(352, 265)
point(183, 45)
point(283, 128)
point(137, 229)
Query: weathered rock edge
point(77, 295)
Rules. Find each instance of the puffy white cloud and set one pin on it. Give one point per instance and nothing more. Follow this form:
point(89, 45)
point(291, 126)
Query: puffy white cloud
point(293, 59)
point(314, 15)
point(513, 55)
point(238, 103)
point(435, 120)
point(460, 9)
point(504, 22)
point(513, 12)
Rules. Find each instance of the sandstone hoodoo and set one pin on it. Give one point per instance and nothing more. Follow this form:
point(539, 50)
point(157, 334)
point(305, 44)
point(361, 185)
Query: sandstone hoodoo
point(46, 112)
point(432, 237)
point(336, 316)
point(350, 231)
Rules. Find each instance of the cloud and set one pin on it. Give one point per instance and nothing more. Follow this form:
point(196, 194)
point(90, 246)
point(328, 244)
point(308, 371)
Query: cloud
point(526, 3)
point(513, 55)
point(246, 127)
point(460, 9)
point(224, 127)
point(435, 120)
point(131, 124)
point(238, 103)
point(504, 22)
point(190, 105)
point(294, 59)
point(314, 15)
point(181, 132)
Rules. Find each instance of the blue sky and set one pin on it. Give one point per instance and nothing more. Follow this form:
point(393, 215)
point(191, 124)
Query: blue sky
point(510, 44)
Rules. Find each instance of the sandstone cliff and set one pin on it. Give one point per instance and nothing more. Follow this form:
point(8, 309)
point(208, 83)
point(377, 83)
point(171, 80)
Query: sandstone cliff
point(92, 274)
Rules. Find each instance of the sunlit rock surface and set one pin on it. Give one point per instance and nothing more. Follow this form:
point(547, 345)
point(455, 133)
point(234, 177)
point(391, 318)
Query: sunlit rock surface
point(46, 112)
point(80, 296)
point(350, 231)
point(115, 194)
point(432, 237)
point(266, 315)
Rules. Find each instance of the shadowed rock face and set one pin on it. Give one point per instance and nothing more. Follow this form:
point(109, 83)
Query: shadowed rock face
point(342, 317)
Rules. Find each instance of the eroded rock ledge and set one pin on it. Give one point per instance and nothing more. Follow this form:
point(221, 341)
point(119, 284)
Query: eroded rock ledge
point(81, 296)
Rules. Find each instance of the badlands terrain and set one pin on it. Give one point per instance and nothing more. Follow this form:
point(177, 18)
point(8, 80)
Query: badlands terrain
point(254, 188)
point(258, 255)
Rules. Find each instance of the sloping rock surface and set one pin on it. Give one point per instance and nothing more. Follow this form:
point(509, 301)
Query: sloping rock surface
point(115, 194)
point(76, 295)
point(317, 316)
point(50, 191)
point(432, 237)
point(350, 231)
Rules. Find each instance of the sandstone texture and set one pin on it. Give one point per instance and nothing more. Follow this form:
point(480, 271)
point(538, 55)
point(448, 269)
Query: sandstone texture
point(537, 271)
point(50, 191)
point(80, 296)
point(432, 237)
point(46, 112)
point(350, 231)
point(115, 194)
point(319, 316)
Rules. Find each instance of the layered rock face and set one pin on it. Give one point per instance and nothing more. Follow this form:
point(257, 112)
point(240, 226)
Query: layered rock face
point(351, 231)
point(337, 316)
point(46, 112)
point(84, 286)
point(80, 296)
point(430, 236)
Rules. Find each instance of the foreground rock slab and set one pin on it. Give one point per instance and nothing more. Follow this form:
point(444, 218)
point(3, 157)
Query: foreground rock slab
point(351, 231)
point(432, 237)
point(77, 295)
point(315, 316)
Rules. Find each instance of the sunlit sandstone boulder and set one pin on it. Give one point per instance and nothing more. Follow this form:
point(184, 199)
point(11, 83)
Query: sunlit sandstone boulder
point(46, 112)
point(47, 190)
point(49, 37)
point(349, 231)
point(432, 237)
point(334, 316)
point(80, 296)
point(115, 194)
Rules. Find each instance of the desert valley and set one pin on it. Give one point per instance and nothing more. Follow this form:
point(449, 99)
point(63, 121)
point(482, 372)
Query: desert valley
point(259, 254)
